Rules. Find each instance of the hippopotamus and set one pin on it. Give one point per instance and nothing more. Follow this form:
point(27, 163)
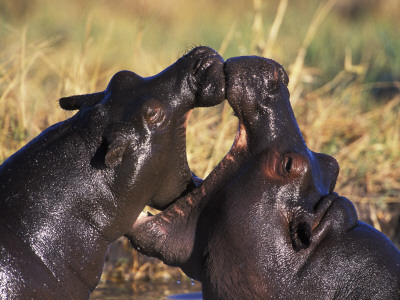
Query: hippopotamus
point(80, 184)
point(267, 222)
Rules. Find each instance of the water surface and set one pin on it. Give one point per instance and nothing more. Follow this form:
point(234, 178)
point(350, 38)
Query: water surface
point(147, 291)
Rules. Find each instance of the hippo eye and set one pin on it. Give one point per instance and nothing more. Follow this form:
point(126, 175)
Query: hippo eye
point(154, 114)
point(287, 164)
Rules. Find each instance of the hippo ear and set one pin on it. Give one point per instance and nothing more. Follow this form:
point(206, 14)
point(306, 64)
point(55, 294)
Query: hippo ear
point(281, 74)
point(115, 153)
point(80, 101)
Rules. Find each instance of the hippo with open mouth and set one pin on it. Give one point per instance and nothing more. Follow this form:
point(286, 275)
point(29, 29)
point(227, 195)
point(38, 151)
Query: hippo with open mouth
point(81, 183)
point(266, 223)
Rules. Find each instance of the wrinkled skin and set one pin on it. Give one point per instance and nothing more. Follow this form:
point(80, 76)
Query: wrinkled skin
point(266, 224)
point(81, 183)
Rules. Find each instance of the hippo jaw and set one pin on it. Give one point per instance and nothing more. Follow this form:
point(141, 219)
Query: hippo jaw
point(204, 81)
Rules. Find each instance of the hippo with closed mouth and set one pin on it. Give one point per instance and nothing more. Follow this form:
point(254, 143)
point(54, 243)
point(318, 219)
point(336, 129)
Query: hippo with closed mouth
point(266, 223)
point(81, 183)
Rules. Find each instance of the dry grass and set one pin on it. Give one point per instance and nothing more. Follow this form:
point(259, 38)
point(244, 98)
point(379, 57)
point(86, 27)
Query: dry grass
point(56, 51)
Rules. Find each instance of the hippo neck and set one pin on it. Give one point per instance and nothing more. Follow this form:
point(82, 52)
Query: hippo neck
point(52, 216)
point(74, 261)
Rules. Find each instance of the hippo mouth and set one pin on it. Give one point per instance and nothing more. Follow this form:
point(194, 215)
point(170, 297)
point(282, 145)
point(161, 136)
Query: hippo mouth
point(323, 206)
point(333, 209)
point(207, 80)
point(329, 202)
point(249, 83)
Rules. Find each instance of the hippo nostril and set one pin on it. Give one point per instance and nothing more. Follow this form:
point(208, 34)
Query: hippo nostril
point(207, 82)
point(196, 66)
point(202, 64)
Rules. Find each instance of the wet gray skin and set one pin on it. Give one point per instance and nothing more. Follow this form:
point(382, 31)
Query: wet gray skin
point(81, 183)
point(266, 224)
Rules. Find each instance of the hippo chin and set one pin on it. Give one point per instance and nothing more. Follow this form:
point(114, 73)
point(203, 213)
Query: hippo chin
point(266, 224)
point(81, 183)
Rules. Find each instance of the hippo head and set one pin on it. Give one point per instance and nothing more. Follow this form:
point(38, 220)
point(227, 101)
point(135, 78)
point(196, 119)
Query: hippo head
point(282, 171)
point(143, 124)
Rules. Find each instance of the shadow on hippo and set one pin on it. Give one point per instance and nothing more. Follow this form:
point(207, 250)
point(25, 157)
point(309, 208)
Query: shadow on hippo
point(266, 224)
point(81, 183)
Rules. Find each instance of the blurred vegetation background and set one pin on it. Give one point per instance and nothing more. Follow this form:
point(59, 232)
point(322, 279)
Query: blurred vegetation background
point(342, 57)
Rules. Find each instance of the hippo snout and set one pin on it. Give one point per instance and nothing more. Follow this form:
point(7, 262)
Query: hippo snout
point(251, 84)
point(207, 79)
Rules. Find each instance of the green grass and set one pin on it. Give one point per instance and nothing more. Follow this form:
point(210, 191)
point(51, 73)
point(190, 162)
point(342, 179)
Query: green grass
point(340, 68)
